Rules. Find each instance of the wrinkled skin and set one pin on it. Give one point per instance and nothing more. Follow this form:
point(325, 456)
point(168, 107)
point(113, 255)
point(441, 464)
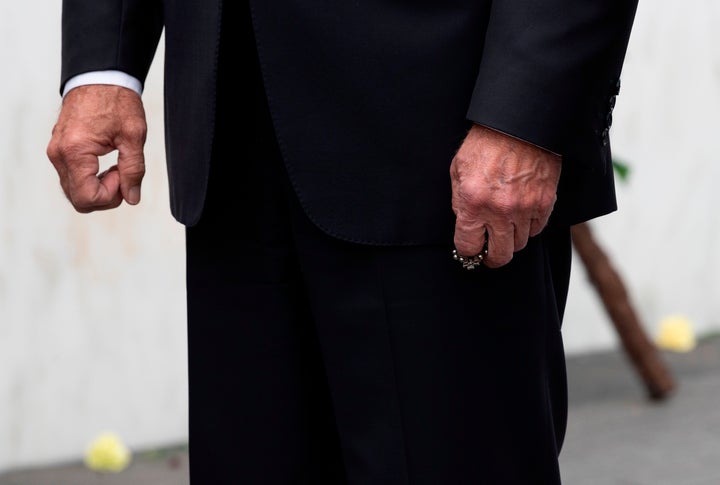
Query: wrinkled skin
point(501, 186)
point(504, 186)
point(96, 120)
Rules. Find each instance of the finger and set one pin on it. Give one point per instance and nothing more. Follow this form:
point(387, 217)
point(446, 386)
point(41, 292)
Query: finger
point(538, 223)
point(131, 165)
point(521, 234)
point(501, 245)
point(469, 237)
point(131, 162)
point(109, 185)
point(110, 180)
point(80, 181)
point(91, 192)
point(54, 154)
point(536, 227)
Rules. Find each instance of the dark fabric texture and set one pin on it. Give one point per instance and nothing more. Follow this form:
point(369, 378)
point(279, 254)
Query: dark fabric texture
point(332, 338)
point(371, 99)
point(317, 361)
point(259, 405)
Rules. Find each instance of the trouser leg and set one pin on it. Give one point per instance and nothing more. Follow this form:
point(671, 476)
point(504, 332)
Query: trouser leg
point(259, 407)
point(441, 375)
point(437, 375)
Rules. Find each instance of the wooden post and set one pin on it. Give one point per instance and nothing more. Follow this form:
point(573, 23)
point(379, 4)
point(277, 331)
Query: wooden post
point(642, 352)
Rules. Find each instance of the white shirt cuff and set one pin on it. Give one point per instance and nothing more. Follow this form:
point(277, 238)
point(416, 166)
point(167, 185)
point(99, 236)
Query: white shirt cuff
point(116, 78)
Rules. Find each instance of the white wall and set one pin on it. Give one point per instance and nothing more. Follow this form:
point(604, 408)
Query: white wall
point(92, 313)
point(665, 238)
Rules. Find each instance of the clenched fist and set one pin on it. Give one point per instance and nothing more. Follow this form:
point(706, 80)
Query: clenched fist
point(504, 188)
point(95, 120)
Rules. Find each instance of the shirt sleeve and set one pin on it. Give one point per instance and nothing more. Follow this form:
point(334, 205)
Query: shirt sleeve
point(115, 78)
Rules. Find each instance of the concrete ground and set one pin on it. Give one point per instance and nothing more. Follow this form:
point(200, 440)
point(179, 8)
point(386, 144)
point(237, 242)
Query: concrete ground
point(616, 436)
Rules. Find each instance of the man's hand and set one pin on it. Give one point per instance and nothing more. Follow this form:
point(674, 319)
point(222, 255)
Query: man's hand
point(94, 121)
point(505, 186)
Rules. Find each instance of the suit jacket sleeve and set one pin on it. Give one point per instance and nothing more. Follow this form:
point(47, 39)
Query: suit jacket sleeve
point(109, 34)
point(550, 70)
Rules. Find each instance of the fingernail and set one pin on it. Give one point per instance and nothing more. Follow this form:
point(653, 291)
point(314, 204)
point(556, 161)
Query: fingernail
point(133, 195)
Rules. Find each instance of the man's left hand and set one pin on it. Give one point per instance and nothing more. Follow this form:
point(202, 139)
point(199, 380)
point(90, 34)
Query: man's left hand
point(504, 186)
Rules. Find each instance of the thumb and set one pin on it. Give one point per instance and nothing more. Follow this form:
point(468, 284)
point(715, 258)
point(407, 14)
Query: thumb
point(131, 167)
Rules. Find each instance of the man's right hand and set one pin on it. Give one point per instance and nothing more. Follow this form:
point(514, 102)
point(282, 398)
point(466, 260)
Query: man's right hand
point(95, 120)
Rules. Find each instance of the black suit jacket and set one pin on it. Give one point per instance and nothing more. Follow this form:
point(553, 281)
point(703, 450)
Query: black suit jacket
point(371, 98)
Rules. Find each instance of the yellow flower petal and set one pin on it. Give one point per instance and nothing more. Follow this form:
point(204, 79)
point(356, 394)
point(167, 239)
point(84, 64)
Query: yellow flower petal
point(675, 333)
point(107, 453)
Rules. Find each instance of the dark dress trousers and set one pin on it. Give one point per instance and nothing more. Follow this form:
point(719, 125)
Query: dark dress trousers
point(332, 339)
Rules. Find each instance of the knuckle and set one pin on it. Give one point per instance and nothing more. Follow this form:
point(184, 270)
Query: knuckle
point(72, 140)
point(472, 194)
point(54, 150)
point(135, 129)
point(477, 201)
point(67, 149)
point(52, 153)
point(548, 202)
